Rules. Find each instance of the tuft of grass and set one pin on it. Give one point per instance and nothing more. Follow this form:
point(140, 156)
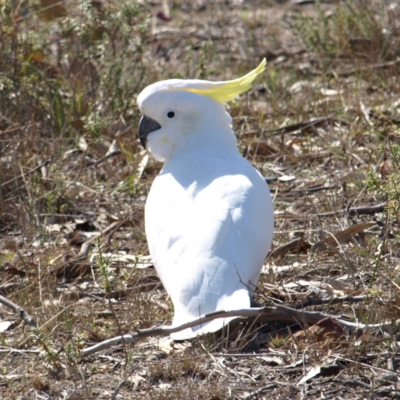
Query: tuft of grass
point(354, 29)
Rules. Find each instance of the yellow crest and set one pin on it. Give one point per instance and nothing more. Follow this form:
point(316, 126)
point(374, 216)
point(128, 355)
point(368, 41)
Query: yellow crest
point(228, 90)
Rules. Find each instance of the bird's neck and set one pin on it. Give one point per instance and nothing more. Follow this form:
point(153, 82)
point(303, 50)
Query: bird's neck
point(211, 140)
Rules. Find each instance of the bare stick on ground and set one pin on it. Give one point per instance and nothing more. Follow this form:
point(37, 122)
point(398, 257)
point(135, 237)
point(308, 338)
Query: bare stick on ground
point(18, 310)
point(337, 300)
point(264, 314)
point(107, 233)
point(43, 164)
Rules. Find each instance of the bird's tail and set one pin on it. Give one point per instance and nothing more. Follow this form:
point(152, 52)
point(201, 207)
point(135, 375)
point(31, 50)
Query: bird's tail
point(238, 300)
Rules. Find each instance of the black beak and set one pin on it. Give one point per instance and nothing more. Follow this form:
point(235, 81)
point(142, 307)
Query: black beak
point(146, 126)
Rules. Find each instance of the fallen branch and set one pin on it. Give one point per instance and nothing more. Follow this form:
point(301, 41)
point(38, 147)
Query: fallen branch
point(363, 210)
point(315, 189)
point(18, 310)
point(265, 314)
point(337, 300)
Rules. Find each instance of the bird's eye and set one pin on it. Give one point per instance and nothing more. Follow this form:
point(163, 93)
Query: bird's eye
point(171, 114)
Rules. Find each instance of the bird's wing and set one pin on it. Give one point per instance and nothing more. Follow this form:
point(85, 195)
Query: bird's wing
point(208, 241)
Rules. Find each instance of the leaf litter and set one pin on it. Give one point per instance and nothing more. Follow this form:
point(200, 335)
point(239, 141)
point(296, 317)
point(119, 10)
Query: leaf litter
point(72, 247)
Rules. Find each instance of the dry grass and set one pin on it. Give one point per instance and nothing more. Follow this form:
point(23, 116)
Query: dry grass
point(68, 80)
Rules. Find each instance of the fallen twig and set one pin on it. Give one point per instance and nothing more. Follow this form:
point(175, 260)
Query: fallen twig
point(77, 266)
point(27, 173)
point(363, 210)
point(341, 236)
point(265, 314)
point(108, 232)
point(336, 300)
point(18, 310)
point(366, 68)
point(106, 157)
point(308, 125)
point(11, 350)
point(315, 189)
point(296, 246)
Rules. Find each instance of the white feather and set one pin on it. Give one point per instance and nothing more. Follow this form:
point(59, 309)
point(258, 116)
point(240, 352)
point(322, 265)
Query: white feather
point(209, 214)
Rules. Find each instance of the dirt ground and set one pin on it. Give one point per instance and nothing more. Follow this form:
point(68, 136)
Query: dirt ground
point(321, 123)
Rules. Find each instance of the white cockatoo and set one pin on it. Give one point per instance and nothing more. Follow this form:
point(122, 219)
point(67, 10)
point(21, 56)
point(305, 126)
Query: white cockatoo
point(209, 216)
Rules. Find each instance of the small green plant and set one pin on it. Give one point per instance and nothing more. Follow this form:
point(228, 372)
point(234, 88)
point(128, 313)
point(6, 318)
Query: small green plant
point(72, 349)
point(48, 350)
point(103, 264)
point(388, 183)
point(94, 124)
point(5, 258)
point(277, 341)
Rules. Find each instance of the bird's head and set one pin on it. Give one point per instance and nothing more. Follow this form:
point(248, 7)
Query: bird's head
point(177, 113)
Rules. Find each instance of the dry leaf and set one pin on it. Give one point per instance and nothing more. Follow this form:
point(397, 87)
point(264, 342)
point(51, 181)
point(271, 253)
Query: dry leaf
point(327, 332)
point(163, 387)
point(312, 372)
point(366, 113)
point(286, 178)
point(135, 380)
point(36, 56)
point(341, 236)
point(386, 167)
point(141, 168)
point(11, 245)
point(273, 360)
point(267, 268)
point(297, 246)
point(4, 325)
point(52, 9)
point(260, 148)
point(323, 370)
point(330, 92)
